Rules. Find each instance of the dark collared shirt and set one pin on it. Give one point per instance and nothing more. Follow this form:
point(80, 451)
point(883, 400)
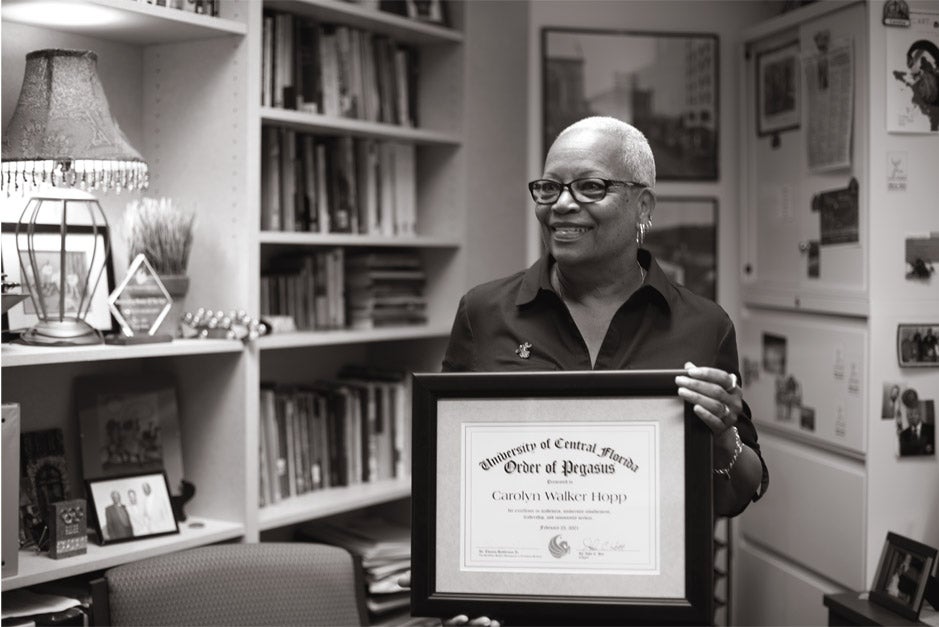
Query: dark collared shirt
point(661, 326)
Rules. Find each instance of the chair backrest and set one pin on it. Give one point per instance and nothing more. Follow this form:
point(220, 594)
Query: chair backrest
point(240, 584)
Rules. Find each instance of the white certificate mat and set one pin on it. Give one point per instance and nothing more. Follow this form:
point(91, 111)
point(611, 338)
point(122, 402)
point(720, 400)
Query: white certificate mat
point(561, 486)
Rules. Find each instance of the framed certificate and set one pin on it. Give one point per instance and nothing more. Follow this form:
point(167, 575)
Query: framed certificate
point(560, 498)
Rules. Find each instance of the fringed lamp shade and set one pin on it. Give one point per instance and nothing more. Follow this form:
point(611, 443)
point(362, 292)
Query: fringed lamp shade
point(62, 132)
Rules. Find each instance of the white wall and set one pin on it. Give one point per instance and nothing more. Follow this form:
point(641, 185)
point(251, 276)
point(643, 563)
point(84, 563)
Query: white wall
point(726, 19)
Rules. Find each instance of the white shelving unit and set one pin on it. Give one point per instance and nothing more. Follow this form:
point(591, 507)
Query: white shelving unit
point(15, 355)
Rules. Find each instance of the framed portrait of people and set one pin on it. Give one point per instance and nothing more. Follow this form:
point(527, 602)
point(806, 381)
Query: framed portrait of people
point(560, 497)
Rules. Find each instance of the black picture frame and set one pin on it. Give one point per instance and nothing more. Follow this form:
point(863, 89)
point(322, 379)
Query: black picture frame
point(161, 522)
point(99, 314)
point(684, 139)
point(683, 241)
point(778, 89)
point(694, 517)
point(918, 345)
point(902, 574)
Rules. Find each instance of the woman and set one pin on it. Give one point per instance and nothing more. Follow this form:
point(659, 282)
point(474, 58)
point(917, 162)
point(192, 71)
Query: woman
point(597, 300)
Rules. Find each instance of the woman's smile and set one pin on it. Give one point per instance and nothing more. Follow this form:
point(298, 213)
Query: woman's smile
point(566, 232)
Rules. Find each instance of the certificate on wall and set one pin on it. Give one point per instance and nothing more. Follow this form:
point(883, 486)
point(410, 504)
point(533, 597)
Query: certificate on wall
point(572, 497)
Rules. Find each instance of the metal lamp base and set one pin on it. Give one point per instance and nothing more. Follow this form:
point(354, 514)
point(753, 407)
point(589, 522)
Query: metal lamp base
point(70, 332)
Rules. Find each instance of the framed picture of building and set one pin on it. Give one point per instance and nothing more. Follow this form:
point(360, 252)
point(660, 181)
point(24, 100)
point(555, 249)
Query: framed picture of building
point(664, 84)
point(683, 240)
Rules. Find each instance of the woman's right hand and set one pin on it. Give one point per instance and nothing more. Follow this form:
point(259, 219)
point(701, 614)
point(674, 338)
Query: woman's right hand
point(460, 619)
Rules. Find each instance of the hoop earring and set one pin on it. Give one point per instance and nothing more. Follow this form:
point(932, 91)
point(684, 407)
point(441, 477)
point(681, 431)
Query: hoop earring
point(641, 233)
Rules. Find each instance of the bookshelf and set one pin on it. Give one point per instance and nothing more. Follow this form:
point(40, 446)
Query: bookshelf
point(185, 88)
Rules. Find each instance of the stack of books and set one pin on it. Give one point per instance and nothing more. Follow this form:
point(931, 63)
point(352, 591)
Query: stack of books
point(385, 288)
point(333, 433)
point(385, 550)
point(308, 288)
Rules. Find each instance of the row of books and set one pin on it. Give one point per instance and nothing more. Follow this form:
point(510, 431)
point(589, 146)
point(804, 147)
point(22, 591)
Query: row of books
point(335, 288)
point(332, 433)
point(205, 7)
point(336, 70)
point(337, 184)
point(384, 548)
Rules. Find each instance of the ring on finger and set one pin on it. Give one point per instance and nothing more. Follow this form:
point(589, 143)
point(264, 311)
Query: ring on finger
point(725, 410)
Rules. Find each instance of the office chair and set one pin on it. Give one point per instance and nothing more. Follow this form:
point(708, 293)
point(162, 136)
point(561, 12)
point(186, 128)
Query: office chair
point(235, 584)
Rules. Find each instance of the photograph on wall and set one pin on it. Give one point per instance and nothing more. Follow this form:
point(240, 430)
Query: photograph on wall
point(913, 76)
point(916, 426)
point(838, 214)
point(129, 425)
point(683, 241)
point(807, 418)
point(774, 354)
point(131, 507)
point(788, 399)
point(664, 84)
point(778, 86)
point(920, 254)
point(891, 407)
point(918, 345)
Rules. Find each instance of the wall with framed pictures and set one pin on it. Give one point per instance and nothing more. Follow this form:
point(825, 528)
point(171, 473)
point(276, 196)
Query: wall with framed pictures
point(825, 273)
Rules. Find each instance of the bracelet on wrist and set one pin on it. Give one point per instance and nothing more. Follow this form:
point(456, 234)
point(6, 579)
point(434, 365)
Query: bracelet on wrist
point(738, 448)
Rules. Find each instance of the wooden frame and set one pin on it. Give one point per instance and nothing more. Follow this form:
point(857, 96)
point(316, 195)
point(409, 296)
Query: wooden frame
point(600, 72)
point(81, 237)
point(683, 241)
point(902, 574)
point(778, 89)
point(458, 418)
point(153, 518)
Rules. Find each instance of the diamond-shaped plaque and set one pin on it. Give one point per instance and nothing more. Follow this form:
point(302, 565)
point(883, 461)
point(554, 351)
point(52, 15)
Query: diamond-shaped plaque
point(140, 302)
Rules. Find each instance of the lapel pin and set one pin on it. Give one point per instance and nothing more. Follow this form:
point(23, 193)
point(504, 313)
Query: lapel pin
point(524, 350)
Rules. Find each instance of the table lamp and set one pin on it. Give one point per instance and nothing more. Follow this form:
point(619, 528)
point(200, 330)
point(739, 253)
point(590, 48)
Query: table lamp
point(62, 135)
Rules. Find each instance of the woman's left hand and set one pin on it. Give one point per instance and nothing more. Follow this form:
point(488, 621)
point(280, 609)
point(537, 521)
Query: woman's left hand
point(714, 394)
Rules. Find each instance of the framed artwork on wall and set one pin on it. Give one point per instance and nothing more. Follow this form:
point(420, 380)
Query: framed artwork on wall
point(778, 89)
point(683, 241)
point(664, 84)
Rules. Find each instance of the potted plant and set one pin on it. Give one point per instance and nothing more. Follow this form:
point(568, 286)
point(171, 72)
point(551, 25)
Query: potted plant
point(163, 232)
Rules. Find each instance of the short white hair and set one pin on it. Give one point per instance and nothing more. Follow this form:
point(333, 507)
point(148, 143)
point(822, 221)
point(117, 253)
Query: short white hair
point(637, 154)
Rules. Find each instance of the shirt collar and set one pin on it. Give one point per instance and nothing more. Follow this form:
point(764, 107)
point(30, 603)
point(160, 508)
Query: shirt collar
point(538, 278)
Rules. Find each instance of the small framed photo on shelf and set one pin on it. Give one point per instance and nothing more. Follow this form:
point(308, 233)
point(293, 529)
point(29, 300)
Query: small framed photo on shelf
point(131, 507)
point(81, 242)
point(425, 11)
point(778, 76)
point(904, 569)
point(918, 345)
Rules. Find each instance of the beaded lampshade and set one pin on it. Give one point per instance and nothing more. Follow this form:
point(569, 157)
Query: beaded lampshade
point(62, 134)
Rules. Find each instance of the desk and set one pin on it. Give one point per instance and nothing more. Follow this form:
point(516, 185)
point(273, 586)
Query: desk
point(845, 608)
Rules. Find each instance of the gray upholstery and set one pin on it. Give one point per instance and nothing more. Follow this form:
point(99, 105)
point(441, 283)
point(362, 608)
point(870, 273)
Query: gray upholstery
point(239, 584)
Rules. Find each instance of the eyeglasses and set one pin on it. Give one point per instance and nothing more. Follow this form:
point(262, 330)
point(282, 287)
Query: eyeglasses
point(547, 192)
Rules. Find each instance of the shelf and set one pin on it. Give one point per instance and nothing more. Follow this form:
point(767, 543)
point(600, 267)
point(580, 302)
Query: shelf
point(319, 123)
point(127, 21)
point(321, 503)
point(287, 238)
point(301, 339)
point(400, 28)
point(26, 355)
point(36, 568)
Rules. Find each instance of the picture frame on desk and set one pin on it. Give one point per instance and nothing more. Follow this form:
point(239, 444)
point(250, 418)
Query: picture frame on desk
point(778, 89)
point(518, 498)
point(131, 507)
point(902, 575)
point(82, 239)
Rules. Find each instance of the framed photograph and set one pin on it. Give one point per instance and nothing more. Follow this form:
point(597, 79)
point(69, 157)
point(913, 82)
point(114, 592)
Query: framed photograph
point(80, 243)
point(131, 507)
point(918, 345)
point(560, 498)
point(684, 242)
point(778, 97)
point(904, 568)
point(664, 84)
point(129, 425)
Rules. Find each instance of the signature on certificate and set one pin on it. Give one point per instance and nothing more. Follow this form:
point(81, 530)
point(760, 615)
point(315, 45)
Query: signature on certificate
point(599, 544)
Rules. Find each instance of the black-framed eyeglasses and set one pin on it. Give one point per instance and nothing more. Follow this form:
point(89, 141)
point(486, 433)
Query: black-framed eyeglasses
point(586, 190)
